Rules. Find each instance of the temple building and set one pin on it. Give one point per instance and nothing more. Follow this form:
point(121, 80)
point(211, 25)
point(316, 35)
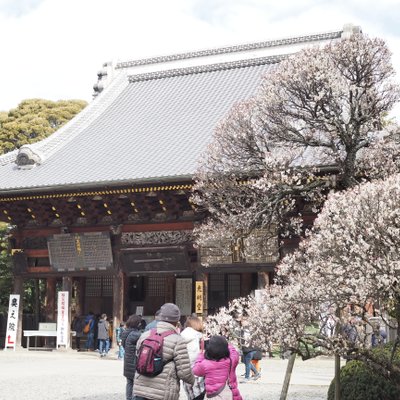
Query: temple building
point(102, 209)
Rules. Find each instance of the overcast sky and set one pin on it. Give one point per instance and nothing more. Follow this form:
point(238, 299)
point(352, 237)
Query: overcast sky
point(52, 49)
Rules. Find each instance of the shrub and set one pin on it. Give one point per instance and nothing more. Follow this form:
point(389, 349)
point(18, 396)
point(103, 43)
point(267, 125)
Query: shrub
point(359, 382)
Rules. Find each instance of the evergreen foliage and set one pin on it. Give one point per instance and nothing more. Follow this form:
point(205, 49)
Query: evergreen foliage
point(360, 382)
point(34, 120)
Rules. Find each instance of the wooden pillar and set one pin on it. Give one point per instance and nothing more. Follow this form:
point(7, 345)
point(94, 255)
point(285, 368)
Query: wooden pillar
point(263, 280)
point(75, 303)
point(67, 287)
point(50, 303)
point(79, 296)
point(169, 293)
point(118, 299)
point(118, 279)
point(19, 289)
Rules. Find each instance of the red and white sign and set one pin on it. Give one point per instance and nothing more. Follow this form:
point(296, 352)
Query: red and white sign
point(12, 322)
point(62, 320)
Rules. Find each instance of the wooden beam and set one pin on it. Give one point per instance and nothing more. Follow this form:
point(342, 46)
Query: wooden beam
point(37, 252)
point(33, 270)
point(171, 226)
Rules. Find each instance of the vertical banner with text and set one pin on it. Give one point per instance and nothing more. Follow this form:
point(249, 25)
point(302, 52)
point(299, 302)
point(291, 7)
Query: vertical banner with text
point(12, 322)
point(199, 297)
point(62, 320)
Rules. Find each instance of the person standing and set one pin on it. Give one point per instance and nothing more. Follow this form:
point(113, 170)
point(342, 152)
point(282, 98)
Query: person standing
point(165, 386)
point(118, 334)
point(248, 355)
point(77, 326)
point(192, 333)
point(103, 335)
point(129, 338)
point(248, 352)
point(90, 322)
point(218, 366)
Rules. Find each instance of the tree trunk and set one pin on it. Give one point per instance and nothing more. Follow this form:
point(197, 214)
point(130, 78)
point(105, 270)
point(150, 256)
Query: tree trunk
point(337, 377)
point(288, 375)
point(349, 169)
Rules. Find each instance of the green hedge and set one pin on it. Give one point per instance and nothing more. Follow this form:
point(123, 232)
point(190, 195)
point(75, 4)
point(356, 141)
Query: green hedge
point(360, 382)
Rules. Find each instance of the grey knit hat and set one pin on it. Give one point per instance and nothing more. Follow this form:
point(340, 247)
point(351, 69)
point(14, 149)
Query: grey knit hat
point(169, 312)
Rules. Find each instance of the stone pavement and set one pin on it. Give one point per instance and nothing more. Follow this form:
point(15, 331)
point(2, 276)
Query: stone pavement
point(69, 375)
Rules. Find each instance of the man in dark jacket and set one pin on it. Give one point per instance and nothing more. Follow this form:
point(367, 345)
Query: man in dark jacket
point(77, 326)
point(90, 319)
point(129, 338)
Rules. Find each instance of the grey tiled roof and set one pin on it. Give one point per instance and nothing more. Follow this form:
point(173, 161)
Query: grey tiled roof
point(147, 126)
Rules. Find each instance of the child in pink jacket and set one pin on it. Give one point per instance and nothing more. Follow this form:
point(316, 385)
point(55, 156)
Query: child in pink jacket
point(218, 366)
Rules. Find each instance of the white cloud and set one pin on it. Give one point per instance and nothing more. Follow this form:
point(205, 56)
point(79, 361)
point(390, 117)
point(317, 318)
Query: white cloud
point(17, 8)
point(54, 48)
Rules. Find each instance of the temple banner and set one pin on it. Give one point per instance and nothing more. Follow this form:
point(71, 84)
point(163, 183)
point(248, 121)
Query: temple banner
point(62, 320)
point(12, 322)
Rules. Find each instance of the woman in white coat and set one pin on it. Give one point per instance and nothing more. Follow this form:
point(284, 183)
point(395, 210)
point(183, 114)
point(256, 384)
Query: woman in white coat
point(193, 335)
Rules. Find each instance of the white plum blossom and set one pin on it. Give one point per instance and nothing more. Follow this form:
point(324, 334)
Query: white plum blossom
point(321, 300)
point(314, 139)
point(317, 123)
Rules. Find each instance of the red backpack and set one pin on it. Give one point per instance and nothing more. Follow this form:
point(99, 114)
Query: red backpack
point(149, 360)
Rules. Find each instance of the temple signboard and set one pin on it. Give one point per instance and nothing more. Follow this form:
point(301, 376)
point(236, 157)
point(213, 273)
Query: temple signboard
point(155, 259)
point(78, 252)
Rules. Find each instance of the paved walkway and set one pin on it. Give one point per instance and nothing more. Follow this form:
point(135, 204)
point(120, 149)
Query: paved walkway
point(69, 375)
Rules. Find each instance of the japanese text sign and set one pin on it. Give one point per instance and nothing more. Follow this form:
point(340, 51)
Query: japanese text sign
point(199, 297)
point(62, 319)
point(12, 321)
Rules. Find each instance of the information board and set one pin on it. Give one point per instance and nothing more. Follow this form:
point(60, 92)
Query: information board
point(183, 298)
point(155, 259)
point(78, 252)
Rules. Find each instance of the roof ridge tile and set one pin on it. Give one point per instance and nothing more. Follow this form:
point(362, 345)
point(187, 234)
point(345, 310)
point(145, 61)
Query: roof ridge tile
point(231, 49)
point(198, 69)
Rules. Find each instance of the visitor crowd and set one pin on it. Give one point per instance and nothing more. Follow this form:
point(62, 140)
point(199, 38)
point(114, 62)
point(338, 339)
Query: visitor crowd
point(204, 367)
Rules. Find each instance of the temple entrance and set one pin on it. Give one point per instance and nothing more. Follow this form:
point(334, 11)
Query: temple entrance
point(98, 295)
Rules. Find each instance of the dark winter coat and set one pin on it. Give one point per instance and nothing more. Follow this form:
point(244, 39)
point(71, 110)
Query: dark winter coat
point(129, 338)
point(77, 325)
